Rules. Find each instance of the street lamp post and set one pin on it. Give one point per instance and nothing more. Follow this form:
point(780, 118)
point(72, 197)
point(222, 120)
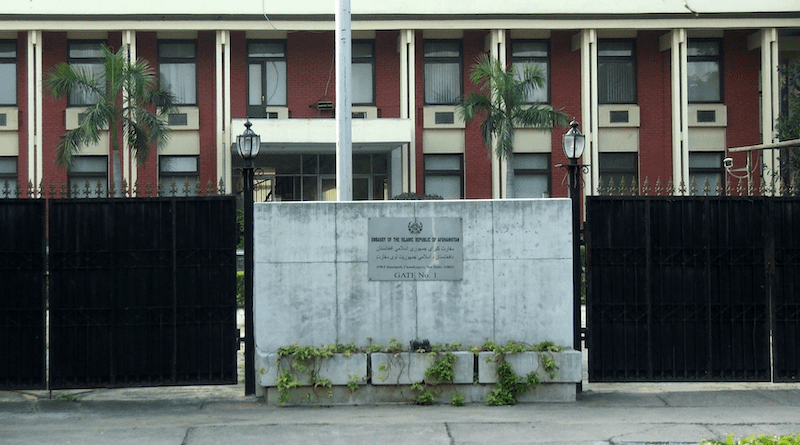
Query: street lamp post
point(248, 144)
point(573, 143)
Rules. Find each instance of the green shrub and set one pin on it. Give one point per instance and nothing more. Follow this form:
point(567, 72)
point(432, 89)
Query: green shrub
point(240, 289)
point(757, 440)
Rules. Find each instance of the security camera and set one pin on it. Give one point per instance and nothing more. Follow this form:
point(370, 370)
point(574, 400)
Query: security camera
point(727, 162)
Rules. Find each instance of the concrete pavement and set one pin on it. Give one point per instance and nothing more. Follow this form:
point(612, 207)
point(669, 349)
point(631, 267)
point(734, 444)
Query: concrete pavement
point(603, 414)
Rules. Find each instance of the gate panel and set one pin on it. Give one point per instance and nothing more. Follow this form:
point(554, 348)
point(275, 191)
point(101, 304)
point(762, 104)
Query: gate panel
point(704, 314)
point(22, 301)
point(119, 305)
point(785, 291)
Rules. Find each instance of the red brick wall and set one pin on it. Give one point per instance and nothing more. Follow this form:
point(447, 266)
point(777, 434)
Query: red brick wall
point(477, 164)
point(238, 97)
point(565, 94)
point(655, 107)
point(387, 74)
point(310, 72)
point(207, 102)
point(740, 85)
point(147, 49)
point(54, 51)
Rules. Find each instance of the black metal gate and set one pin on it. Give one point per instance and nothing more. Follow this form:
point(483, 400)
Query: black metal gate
point(691, 288)
point(22, 298)
point(142, 292)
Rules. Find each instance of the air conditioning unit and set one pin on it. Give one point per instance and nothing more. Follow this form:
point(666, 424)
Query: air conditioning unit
point(324, 105)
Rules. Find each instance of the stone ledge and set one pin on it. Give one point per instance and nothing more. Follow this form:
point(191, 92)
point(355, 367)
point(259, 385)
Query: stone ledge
point(338, 368)
point(405, 368)
point(569, 364)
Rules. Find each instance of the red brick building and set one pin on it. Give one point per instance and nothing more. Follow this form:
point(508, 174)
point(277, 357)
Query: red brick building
point(662, 93)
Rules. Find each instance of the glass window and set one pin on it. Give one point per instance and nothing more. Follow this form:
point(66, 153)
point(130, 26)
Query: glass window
point(531, 175)
point(182, 170)
point(8, 73)
point(444, 176)
point(534, 52)
point(86, 57)
point(616, 72)
point(615, 168)
point(177, 70)
point(705, 167)
point(312, 177)
point(442, 71)
point(8, 177)
point(88, 177)
point(704, 68)
point(363, 73)
point(266, 76)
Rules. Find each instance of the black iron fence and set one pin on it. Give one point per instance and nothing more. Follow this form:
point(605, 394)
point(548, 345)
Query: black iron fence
point(23, 269)
point(103, 189)
point(141, 292)
point(693, 288)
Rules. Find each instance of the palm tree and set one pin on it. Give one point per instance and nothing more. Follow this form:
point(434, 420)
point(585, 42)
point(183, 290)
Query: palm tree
point(129, 102)
point(502, 99)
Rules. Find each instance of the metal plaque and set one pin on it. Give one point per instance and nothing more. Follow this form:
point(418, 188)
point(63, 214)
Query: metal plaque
point(415, 249)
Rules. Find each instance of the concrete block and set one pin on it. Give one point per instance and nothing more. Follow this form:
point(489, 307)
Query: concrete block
point(338, 368)
point(281, 228)
point(406, 368)
point(402, 368)
point(569, 366)
point(373, 312)
point(533, 301)
point(532, 228)
point(448, 311)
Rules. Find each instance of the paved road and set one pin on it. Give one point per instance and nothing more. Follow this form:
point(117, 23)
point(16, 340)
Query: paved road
point(604, 414)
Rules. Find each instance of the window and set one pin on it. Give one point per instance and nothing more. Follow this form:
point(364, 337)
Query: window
point(8, 177)
point(363, 73)
point(87, 57)
point(442, 72)
point(266, 76)
point(705, 166)
point(704, 68)
point(444, 176)
point(312, 177)
point(8, 73)
point(370, 176)
point(616, 72)
point(616, 168)
point(88, 177)
point(531, 175)
point(534, 52)
point(182, 170)
point(177, 70)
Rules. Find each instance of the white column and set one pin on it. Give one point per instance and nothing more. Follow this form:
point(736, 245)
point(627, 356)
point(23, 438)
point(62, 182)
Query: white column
point(344, 105)
point(223, 70)
point(35, 162)
point(406, 48)
point(770, 107)
point(497, 51)
point(129, 167)
point(590, 125)
point(680, 112)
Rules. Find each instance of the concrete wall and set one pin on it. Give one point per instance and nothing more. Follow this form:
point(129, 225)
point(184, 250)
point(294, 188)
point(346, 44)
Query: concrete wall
point(312, 288)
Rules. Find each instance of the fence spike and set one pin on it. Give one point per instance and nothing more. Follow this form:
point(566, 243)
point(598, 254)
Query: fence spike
point(221, 189)
point(41, 190)
point(197, 188)
point(718, 188)
point(740, 188)
point(622, 186)
point(124, 188)
point(646, 187)
point(210, 190)
point(634, 187)
point(112, 189)
point(706, 187)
